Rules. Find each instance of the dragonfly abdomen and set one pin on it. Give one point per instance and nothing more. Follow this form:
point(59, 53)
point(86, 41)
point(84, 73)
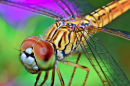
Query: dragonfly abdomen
point(107, 13)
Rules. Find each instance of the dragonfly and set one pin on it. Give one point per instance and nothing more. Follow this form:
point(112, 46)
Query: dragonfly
point(73, 34)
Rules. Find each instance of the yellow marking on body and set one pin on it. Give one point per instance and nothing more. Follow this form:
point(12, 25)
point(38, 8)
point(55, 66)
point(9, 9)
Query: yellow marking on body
point(59, 54)
point(86, 36)
point(115, 10)
point(85, 21)
point(125, 5)
point(98, 18)
point(72, 40)
point(61, 36)
point(65, 39)
point(68, 48)
point(51, 32)
point(108, 15)
point(92, 19)
point(103, 17)
point(72, 37)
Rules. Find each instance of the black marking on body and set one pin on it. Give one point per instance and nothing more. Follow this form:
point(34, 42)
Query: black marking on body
point(109, 8)
point(54, 31)
point(55, 50)
point(59, 43)
point(101, 15)
point(108, 13)
point(98, 13)
point(112, 8)
point(94, 18)
point(65, 47)
point(87, 20)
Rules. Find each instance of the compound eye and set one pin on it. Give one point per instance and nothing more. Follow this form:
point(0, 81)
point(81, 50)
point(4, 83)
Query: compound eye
point(27, 56)
point(29, 42)
point(43, 52)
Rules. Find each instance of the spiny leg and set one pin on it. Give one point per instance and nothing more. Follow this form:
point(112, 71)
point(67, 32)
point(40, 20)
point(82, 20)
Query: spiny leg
point(38, 77)
point(53, 76)
point(75, 68)
point(45, 78)
point(78, 66)
point(59, 74)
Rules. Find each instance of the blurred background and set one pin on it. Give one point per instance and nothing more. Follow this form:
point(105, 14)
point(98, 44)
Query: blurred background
point(16, 25)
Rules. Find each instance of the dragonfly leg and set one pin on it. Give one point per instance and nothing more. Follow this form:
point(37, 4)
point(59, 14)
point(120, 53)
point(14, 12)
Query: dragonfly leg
point(75, 67)
point(45, 78)
point(78, 66)
point(38, 77)
point(59, 74)
point(53, 76)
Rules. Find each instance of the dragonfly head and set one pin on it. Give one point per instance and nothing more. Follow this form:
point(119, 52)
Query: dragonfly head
point(37, 55)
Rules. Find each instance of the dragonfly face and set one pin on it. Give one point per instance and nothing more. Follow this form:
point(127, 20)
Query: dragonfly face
point(37, 55)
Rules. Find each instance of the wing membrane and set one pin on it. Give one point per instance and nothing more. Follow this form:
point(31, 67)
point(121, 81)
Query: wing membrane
point(83, 7)
point(33, 8)
point(106, 67)
point(68, 8)
point(53, 9)
point(119, 33)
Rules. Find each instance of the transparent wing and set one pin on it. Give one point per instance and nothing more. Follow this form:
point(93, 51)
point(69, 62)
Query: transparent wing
point(37, 7)
point(53, 8)
point(75, 8)
point(69, 8)
point(83, 7)
point(106, 67)
point(119, 33)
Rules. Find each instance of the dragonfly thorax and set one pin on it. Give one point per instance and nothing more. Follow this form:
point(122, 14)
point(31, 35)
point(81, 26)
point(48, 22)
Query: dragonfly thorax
point(63, 36)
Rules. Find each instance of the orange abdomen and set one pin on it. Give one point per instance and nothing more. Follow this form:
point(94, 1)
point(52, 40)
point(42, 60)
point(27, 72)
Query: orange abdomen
point(107, 13)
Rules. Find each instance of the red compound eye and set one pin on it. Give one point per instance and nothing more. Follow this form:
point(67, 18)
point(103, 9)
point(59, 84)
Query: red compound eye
point(43, 50)
point(29, 42)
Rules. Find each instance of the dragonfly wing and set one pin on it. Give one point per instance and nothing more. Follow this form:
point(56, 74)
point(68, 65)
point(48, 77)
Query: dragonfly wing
point(119, 33)
point(34, 7)
point(82, 7)
point(101, 60)
point(53, 8)
point(69, 8)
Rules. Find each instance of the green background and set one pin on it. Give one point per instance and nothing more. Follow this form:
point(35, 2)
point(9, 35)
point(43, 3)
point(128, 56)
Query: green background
point(12, 70)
